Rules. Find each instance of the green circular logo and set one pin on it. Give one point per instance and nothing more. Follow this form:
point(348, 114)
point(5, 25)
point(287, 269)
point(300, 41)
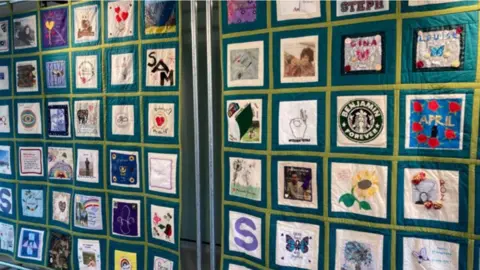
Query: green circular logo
point(361, 120)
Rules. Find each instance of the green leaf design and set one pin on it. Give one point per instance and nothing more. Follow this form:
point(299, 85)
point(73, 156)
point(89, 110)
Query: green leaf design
point(365, 205)
point(161, 226)
point(347, 199)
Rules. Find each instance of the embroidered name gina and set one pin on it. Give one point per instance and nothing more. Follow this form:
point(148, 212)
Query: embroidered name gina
point(361, 6)
point(361, 120)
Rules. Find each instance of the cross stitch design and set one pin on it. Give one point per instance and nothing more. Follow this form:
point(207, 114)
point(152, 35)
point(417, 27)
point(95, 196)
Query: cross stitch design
point(364, 54)
point(124, 168)
point(246, 178)
point(56, 74)
point(32, 202)
point(125, 260)
point(434, 122)
point(160, 263)
point(87, 118)
point(4, 36)
point(5, 164)
point(161, 119)
point(88, 212)
point(162, 223)
point(31, 161)
point(29, 118)
point(7, 237)
point(89, 254)
point(86, 71)
point(160, 16)
point(241, 11)
point(4, 77)
point(61, 206)
point(87, 165)
point(86, 24)
point(298, 9)
point(58, 119)
point(126, 217)
point(351, 7)
point(122, 69)
point(30, 244)
point(299, 59)
point(25, 32)
point(27, 76)
point(6, 201)
point(60, 251)
point(160, 69)
point(421, 253)
point(60, 163)
point(244, 120)
point(245, 64)
point(297, 122)
point(55, 28)
point(162, 172)
point(120, 20)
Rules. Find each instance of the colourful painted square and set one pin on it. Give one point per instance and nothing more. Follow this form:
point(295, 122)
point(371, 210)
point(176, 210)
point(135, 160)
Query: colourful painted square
point(55, 28)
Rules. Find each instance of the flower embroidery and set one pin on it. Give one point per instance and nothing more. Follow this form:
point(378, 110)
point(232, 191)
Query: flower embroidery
point(364, 185)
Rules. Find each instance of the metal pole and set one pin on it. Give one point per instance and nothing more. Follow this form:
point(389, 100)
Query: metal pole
point(211, 172)
point(196, 124)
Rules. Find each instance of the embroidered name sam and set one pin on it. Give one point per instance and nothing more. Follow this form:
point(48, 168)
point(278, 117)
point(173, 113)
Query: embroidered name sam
point(359, 6)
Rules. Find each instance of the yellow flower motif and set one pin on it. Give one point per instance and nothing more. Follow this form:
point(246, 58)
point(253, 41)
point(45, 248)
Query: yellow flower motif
point(365, 184)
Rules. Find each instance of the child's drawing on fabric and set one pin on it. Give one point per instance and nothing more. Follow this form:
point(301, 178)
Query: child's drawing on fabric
point(362, 121)
point(85, 24)
point(61, 206)
point(121, 72)
point(60, 251)
point(123, 120)
point(29, 118)
point(244, 120)
point(160, 16)
point(359, 189)
point(297, 184)
point(439, 48)
point(162, 223)
point(25, 32)
point(31, 161)
point(55, 28)
point(5, 163)
point(4, 36)
point(120, 21)
point(363, 54)
point(89, 254)
point(32, 202)
point(88, 212)
point(160, 263)
point(86, 71)
point(56, 74)
point(30, 244)
point(27, 76)
point(245, 64)
point(87, 165)
point(358, 250)
point(4, 77)
point(162, 172)
point(245, 235)
point(352, 7)
point(87, 118)
point(431, 194)
point(58, 119)
point(126, 217)
point(429, 2)
point(124, 168)
point(297, 122)
point(246, 178)
point(5, 119)
point(7, 237)
point(429, 254)
point(299, 59)
point(297, 9)
point(125, 260)
point(6, 201)
point(60, 163)
point(161, 119)
point(434, 121)
point(160, 67)
point(297, 245)
point(241, 11)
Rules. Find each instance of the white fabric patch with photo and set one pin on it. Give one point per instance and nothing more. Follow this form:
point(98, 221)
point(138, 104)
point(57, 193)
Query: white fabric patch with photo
point(27, 76)
point(89, 254)
point(161, 119)
point(244, 120)
point(245, 235)
point(414, 3)
point(298, 59)
point(25, 32)
point(358, 250)
point(162, 223)
point(85, 24)
point(160, 263)
point(60, 163)
point(4, 78)
point(86, 67)
point(122, 69)
point(123, 120)
point(246, 178)
point(439, 48)
point(297, 184)
point(431, 194)
point(31, 161)
point(160, 67)
point(162, 172)
point(4, 119)
point(245, 64)
point(4, 36)
point(353, 7)
point(87, 118)
point(297, 122)
point(120, 19)
point(298, 9)
point(359, 189)
point(87, 165)
point(61, 206)
point(429, 254)
point(363, 53)
point(362, 121)
point(297, 244)
point(29, 120)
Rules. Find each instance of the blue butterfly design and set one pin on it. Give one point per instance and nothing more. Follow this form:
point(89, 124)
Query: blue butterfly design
point(437, 51)
point(293, 244)
point(421, 255)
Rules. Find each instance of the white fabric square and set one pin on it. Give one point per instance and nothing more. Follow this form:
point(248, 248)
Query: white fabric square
point(85, 24)
point(429, 254)
point(161, 119)
point(160, 263)
point(87, 165)
point(352, 7)
point(431, 194)
point(4, 36)
point(439, 48)
point(4, 78)
point(298, 59)
point(362, 121)
point(414, 3)
point(29, 119)
point(297, 244)
point(349, 244)
point(86, 68)
point(245, 64)
point(27, 77)
point(232, 266)
point(162, 223)
point(298, 9)
point(89, 254)
point(297, 184)
point(121, 18)
point(162, 172)
point(123, 120)
point(297, 122)
point(61, 206)
point(5, 163)
point(4, 119)
point(87, 118)
point(122, 69)
point(245, 235)
point(31, 161)
point(244, 120)
point(246, 178)
point(160, 67)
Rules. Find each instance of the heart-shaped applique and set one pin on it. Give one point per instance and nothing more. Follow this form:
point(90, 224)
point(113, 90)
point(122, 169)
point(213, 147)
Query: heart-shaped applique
point(49, 24)
point(124, 15)
point(117, 9)
point(62, 206)
point(118, 19)
point(160, 120)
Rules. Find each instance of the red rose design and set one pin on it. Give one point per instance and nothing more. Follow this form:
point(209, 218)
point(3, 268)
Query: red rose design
point(454, 107)
point(433, 105)
point(421, 138)
point(420, 64)
point(417, 127)
point(417, 107)
point(433, 142)
point(450, 134)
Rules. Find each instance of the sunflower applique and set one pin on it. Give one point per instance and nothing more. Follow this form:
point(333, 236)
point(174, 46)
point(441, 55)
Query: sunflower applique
point(364, 185)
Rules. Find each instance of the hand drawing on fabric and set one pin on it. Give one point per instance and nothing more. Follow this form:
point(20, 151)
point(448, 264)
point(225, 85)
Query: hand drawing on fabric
point(160, 16)
point(428, 2)
point(295, 245)
point(364, 185)
point(61, 206)
point(86, 71)
point(299, 126)
point(298, 9)
point(357, 256)
point(161, 119)
point(86, 23)
point(421, 255)
point(161, 67)
point(425, 191)
point(245, 180)
point(244, 123)
point(4, 36)
point(363, 54)
point(87, 122)
point(56, 74)
point(120, 19)
point(122, 69)
point(25, 32)
point(126, 218)
point(125, 260)
point(60, 251)
point(241, 11)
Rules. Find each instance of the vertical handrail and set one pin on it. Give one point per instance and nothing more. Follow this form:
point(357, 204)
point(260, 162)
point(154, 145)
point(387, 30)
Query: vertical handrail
point(196, 133)
point(211, 172)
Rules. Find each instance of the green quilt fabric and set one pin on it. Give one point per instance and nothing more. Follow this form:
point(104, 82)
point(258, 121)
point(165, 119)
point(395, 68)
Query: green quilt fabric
point(350, 134)
point(90, 152)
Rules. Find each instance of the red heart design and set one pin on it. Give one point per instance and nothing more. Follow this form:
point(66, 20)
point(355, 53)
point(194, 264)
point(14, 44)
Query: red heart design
point(160, 120)
point(124, 15)
point(118, 18)
point(117, 9)
point(454, 107)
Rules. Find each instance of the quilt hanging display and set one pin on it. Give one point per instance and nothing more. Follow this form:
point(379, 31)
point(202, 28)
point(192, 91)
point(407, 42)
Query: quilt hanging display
point(90, 174)
point(350, 135)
